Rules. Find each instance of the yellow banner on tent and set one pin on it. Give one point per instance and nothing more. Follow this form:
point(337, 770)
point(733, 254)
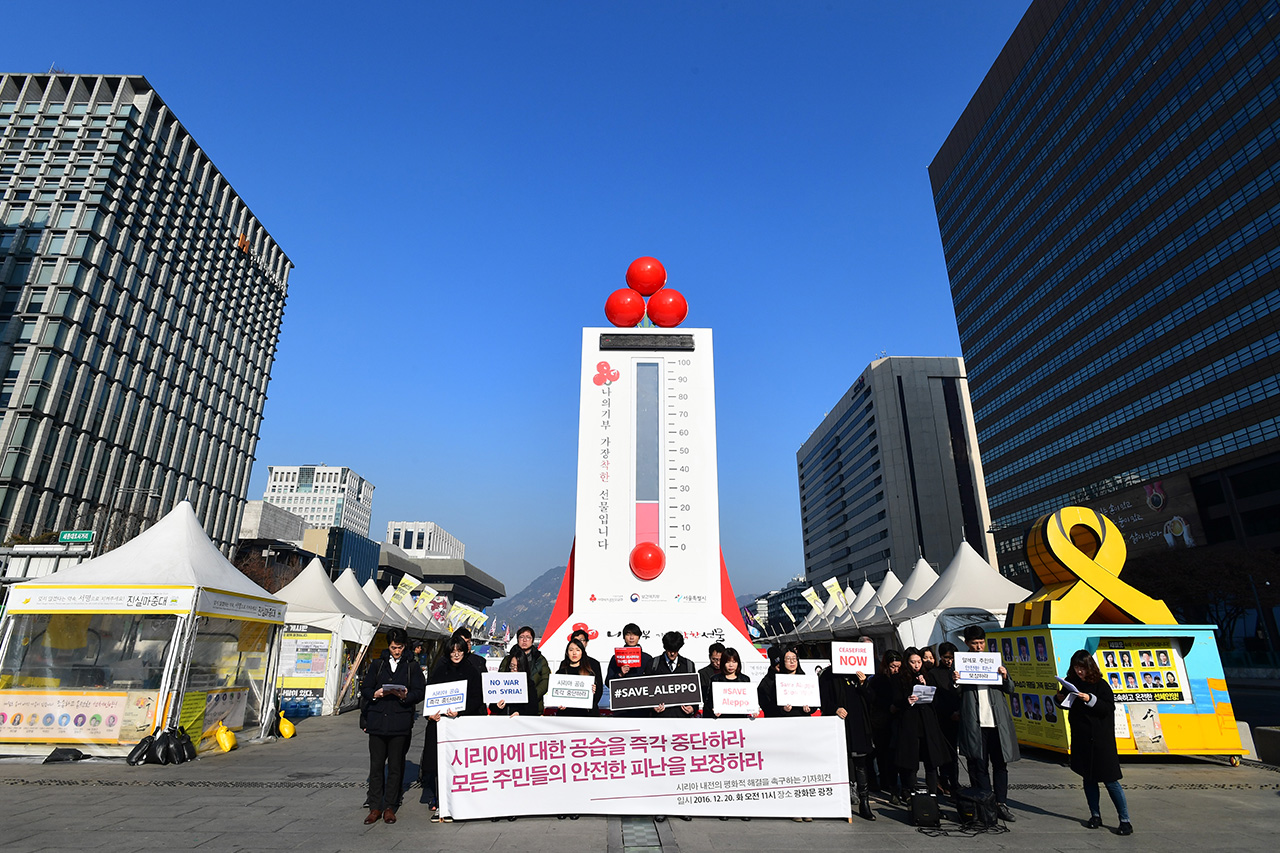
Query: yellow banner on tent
point(406, 585)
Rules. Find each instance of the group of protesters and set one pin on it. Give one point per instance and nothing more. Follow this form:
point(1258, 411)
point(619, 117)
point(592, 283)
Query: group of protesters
point(889, 731)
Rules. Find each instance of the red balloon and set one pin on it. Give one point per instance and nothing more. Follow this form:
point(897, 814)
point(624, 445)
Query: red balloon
point(646, 276)
point(624, 308)
point(647, 561)
point(668, 308)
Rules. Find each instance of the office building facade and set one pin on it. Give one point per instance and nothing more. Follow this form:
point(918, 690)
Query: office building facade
point(892, 474)
point(1110, 214)
point(424, 538)
point(324, 496)
point(140, 302)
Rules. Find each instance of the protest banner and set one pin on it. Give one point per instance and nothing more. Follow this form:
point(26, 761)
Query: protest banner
point(798, 690)
point(505, 686)
point(978, 667)
point(650, 691)
point(569, 691)
point(508, 766)
point(734, 698)
point(444, 697)
point(848, 658)
point(628, 656)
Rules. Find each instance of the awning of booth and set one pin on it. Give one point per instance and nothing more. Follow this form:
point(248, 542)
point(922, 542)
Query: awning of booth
point(969, 591)
point(314, 600)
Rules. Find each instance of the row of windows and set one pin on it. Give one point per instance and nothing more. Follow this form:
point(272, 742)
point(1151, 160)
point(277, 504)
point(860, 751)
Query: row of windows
point(862, 492)
point(832, 434)
point(1220, 369)
point(1025, 92)
point(1236, 322)
point(1118, 257)
point(843, 535)
point(1213, 449)
point(1116, 95)
point(1152, 296)
point(854, 479)
point(1171, 176)
point(1228, 404)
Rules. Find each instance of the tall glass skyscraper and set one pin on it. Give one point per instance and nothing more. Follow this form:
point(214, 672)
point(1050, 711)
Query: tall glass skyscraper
point(140, 302)
point(1110, 213)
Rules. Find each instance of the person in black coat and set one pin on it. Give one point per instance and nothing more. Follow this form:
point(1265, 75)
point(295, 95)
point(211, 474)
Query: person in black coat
point(517, 661)
point(576, 662)
point(845, 696)
point(631, 640)
point(596, 669)
point(946, 707)
point(880, 686)
point(767, 692)
point(453, 666)
point(730, 673)
point(919, 737)
point(392, 688)
point(1091, 716)
point(669, 663)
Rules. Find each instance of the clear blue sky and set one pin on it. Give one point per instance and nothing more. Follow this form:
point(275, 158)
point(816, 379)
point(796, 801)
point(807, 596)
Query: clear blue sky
point(460, 186)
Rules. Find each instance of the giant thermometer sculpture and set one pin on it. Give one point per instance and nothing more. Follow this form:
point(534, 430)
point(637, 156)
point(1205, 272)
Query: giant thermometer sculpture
point(647, 537)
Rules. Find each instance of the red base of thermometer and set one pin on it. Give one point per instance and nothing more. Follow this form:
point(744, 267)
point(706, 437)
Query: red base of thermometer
point(647, 561)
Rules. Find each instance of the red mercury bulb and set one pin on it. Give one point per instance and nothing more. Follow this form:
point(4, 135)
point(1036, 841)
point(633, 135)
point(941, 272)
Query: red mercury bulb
point(624, 308)
point(647, 561)
point(646, 276)
point(668, 308)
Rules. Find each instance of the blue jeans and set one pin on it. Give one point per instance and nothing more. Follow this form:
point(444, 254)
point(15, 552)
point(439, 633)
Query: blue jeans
point(1117, 797)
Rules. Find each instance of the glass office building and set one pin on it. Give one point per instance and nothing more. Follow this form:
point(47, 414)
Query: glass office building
point(141, 303)
point(1110, 214)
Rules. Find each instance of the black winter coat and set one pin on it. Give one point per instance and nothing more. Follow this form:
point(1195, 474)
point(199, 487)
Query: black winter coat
point(615, 671)
point(659, 666)
point(594, 710)
point(767, 693)
point(845, 691)
point(390, 715)
point(1093, 734)
point(445, 671)
point(918, 732)
point(946, 702)
point(709, 709)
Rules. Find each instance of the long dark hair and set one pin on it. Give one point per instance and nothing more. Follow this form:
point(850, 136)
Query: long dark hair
point(583, 666)
point(518, 657)
point(1092, 675)
point(781, 667)
point(906, 675)
point(731, 654)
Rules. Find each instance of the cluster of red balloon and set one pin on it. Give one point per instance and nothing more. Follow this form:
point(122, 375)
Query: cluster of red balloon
point(646, 279)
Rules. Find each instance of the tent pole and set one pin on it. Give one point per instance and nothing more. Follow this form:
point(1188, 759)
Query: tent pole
point(182, 667)
point(270, 692)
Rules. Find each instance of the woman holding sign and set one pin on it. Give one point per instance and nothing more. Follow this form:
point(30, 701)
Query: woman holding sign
point(768, 691)
point(730, 673)
point(453, 667)
point(1091, 715)
point(516, 662)
point(576, 662)
point(919, 737)
point(846, 695)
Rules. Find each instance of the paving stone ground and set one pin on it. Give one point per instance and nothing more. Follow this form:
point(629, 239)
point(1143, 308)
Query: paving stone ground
point(306, 794)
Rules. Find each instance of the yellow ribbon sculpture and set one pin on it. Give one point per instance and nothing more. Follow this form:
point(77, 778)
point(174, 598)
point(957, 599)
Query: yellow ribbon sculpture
point(1077, 587)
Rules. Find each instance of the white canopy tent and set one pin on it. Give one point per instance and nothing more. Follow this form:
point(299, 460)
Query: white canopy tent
point(873, 615)
point(969, 592)
point(847, 625)
point(158, 632)
point(324, 631)
point(917, 584)
point(349, 588)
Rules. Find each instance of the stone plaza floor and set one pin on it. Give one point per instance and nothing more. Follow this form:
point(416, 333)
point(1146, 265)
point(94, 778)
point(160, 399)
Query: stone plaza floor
point(306, 794)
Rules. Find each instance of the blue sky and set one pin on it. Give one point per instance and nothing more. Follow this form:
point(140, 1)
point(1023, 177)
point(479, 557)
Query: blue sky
point(461, 185)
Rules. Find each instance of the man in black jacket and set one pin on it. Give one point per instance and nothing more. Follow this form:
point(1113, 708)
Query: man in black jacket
point(712, 669)
point(392, 688)
point(671, 661)
point(630, 639)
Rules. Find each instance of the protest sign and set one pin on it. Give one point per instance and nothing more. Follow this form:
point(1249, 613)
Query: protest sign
point(505, 686)
point(848, 658)
point(444, 697)
point(570, 691)
point(628, 656)
point(734, 697)
point(508, 766)
point(978, 667)
point(649, 691)
point(798, 690)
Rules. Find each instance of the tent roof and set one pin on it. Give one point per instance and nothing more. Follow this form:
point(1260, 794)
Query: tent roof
point(867, 593)
point(312, 590)
point(175, 551)
point(354, 593)
point(874, 609)
point(395, 612)
point(969, 581)
point(917, 584)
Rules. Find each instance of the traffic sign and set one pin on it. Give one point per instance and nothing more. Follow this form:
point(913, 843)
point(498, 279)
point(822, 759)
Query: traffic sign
point(75, 537)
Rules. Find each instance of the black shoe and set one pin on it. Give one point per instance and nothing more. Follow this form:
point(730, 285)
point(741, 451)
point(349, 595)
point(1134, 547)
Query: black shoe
point(685, 817)
point(1094, 822)
point(659, 818)
point(1125, 828)
point(1005, 814)
point(864, 809)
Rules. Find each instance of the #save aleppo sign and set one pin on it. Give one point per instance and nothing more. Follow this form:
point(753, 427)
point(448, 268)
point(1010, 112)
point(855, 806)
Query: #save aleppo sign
point(649, 691)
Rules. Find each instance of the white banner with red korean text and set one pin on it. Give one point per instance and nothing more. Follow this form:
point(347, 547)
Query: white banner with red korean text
point(776, 767)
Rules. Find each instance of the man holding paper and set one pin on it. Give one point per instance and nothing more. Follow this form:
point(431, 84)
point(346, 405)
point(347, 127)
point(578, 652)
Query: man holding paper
point(629, 661)
point(392, 687)
point(986, 735)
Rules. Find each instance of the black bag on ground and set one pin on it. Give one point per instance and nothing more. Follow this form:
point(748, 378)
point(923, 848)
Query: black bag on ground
point(188, 748)
point(64, 754)
point(158, 753)
point(974, 808)
point(138, 755)
point(924, 810)
point(174, 750)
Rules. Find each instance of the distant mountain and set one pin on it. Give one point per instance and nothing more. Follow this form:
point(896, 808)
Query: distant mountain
point(531, 605)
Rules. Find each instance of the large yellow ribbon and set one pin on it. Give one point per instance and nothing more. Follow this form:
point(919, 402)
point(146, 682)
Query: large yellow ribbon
point(1077, 587)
